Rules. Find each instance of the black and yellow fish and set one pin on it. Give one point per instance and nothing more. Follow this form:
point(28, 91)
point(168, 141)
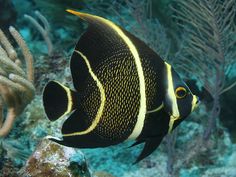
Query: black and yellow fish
point(122, 91)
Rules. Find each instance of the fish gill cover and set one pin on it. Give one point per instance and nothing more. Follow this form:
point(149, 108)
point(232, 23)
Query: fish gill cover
point(196, 37)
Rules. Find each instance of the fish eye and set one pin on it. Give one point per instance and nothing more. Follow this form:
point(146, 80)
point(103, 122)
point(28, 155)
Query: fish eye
point(180, 92)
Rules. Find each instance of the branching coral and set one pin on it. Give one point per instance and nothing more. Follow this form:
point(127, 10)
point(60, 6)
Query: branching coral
point(16, 85)
point(44, 30)
point(208, 51)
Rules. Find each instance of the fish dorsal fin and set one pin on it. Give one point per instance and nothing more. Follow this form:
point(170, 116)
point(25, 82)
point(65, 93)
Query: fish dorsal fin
point(103, 42)
point(150, 146)
point(100, 43)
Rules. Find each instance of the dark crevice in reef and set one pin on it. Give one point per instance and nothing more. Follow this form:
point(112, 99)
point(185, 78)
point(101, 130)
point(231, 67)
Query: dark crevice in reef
point(228, 112)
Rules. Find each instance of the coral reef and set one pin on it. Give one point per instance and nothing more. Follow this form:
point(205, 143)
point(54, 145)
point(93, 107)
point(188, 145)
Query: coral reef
point(193, 48)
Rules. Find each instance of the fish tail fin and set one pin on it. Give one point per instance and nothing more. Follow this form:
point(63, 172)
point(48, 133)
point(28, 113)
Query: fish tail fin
point(58, 100)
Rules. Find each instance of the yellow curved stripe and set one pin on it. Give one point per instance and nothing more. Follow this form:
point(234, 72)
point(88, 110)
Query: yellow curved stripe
point(142, 110)
point(69, 97)
point(103, 99)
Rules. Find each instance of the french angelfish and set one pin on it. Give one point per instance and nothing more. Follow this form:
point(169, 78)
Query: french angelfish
point(122, 91)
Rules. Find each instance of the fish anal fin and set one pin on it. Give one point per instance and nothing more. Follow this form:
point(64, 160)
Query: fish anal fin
point(150, 146)
point(57, 140)
point(76, 122)
point(136, 143)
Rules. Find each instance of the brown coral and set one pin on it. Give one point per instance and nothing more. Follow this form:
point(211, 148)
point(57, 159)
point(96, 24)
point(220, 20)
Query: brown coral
point(16, 85)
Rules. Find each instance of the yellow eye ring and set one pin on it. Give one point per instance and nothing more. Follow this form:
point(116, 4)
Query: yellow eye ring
point(180, 92)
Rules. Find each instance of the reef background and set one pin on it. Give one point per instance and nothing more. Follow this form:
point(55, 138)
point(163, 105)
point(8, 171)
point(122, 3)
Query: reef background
point(198, 147)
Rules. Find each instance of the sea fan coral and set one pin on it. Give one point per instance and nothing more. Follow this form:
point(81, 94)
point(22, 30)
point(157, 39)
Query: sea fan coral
point(208, 50)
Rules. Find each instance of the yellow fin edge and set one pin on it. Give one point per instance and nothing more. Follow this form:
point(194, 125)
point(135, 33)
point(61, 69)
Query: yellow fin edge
point(74, 12)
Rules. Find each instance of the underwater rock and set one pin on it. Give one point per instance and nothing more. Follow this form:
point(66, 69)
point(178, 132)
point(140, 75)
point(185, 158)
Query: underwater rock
point(51, 159)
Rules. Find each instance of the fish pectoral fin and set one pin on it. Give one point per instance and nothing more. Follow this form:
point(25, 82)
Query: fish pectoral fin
point(57, 140)
point(149, 147)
